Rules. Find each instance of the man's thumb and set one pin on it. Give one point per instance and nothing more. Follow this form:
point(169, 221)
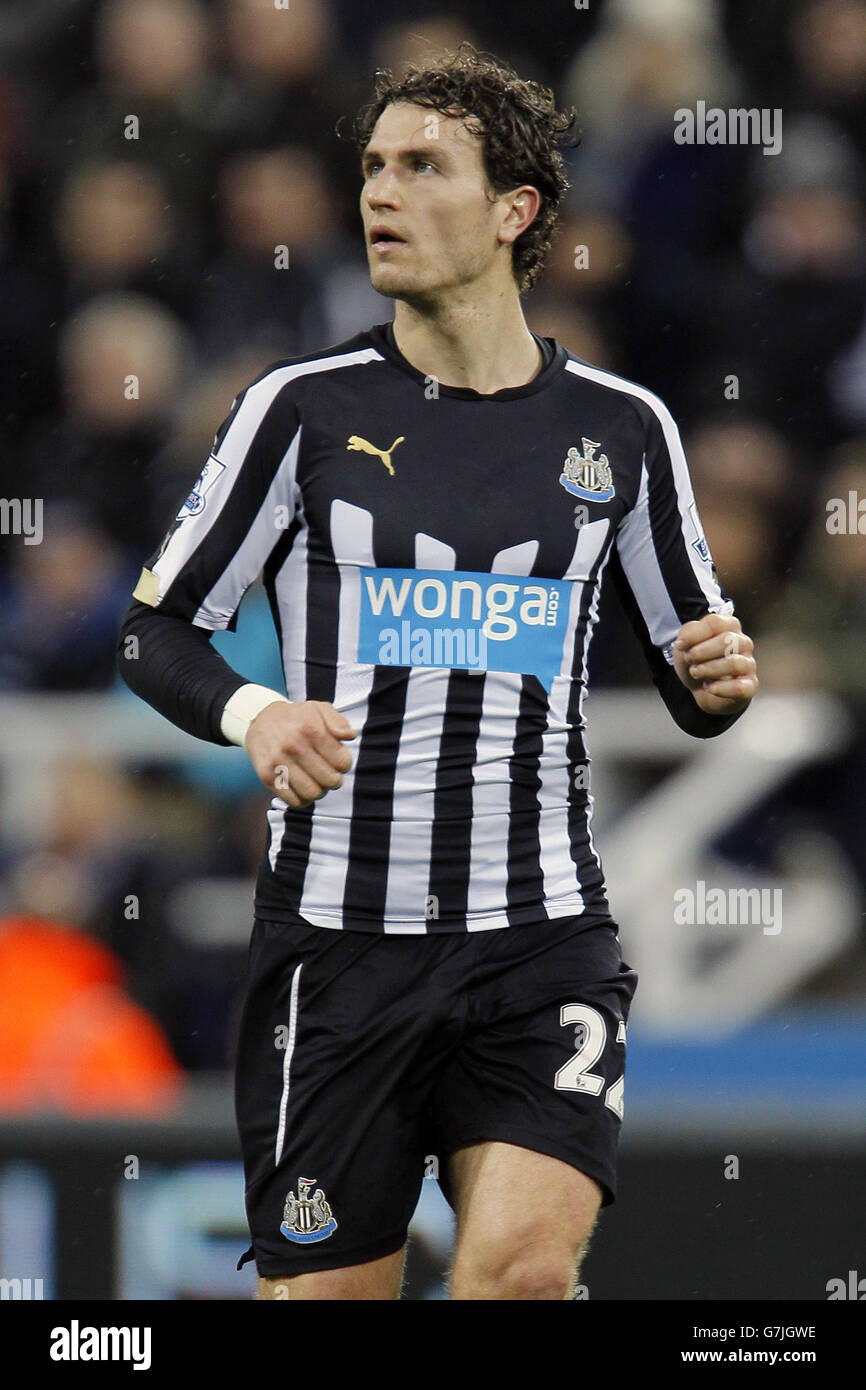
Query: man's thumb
point(338, 724)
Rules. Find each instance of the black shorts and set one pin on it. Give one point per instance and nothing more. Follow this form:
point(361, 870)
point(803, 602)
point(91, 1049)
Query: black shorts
point(365, 1061)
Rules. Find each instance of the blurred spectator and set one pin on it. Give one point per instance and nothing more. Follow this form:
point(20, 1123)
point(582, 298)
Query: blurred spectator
point(288, 83)
point(753, 502)
point(828, 45)
point(115, 230)
point(71, 1039)
point(666, 207)
point(150, 100)
point(270, 46)
point(288, 280)
point(281, 237)
point(62, 606)
point(123, 362)
point(132, 33)
point(746, 461)
point(808, 209)
point(815, 640)
point(115, 848)
point(649, 58)
point(588, 273)
point(575, 328)
point(746, 457)
point(772, 313)
point(740, 534)
point(817, 636)
point(800, 285)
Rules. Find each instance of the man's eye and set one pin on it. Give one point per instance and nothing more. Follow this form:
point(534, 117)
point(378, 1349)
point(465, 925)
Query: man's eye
point(372, 170)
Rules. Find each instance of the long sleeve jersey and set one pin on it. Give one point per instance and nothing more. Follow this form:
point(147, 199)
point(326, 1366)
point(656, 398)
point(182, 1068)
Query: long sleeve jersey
point(433, 558)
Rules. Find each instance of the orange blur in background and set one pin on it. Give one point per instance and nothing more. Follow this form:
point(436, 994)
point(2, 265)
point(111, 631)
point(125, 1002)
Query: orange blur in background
point(71, 1038)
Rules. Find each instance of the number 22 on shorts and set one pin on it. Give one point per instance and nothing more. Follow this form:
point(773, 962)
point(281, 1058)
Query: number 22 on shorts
point(576, 1074)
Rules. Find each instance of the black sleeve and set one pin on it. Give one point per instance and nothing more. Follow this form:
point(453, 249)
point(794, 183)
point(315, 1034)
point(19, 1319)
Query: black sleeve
point(679, 700)
point(171, 664)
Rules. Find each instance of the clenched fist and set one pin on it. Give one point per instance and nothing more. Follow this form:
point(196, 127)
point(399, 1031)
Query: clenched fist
point(713, 659)
point(297, 751)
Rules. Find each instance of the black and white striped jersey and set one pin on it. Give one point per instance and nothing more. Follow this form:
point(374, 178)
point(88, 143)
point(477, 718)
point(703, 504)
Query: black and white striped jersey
point(433, 559)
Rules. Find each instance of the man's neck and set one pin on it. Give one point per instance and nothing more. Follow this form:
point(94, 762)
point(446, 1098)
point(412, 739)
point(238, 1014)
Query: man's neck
point(485, 348)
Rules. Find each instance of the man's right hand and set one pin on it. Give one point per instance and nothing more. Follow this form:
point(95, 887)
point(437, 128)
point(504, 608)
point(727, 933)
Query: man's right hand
point(296, 749)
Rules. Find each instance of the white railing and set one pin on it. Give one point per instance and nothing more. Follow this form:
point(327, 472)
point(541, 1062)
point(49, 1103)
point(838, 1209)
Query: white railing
point(654, 836)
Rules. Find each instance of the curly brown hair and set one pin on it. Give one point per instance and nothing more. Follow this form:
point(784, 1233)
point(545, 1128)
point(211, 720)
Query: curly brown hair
point(516, 121)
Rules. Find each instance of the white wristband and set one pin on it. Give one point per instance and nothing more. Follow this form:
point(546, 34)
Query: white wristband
point(242, 708)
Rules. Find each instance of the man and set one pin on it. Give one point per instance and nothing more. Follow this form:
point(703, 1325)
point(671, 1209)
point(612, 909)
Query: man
point(434, 970)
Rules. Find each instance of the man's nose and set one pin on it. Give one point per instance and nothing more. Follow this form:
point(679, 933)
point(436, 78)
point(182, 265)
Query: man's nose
point(383, 189)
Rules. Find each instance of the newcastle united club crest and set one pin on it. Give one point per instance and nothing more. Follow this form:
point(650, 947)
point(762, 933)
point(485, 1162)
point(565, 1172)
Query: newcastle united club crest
point(587, 476)
point(305, 1218)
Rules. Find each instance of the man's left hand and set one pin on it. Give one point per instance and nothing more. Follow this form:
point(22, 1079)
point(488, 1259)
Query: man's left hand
point(713, 659)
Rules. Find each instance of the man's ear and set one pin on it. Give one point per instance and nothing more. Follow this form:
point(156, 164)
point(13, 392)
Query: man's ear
point(524, 207)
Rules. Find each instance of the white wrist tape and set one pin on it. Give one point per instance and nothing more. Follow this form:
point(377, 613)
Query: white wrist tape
point(242, 708)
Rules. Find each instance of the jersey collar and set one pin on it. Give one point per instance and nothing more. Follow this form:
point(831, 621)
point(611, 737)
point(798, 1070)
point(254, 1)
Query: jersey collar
point(555, 357)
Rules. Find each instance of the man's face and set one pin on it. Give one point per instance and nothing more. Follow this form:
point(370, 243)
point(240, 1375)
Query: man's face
point(425, 183)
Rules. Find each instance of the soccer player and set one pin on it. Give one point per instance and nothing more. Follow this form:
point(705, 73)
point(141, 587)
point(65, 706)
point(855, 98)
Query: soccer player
point(435, 981)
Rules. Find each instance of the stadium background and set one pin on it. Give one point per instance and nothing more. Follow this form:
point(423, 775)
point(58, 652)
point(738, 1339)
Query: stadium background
point(731, 282)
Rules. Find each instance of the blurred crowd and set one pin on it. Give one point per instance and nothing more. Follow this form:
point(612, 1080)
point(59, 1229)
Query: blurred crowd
point(155, 153)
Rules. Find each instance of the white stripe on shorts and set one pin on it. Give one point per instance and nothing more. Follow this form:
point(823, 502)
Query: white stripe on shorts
point(287, 1063)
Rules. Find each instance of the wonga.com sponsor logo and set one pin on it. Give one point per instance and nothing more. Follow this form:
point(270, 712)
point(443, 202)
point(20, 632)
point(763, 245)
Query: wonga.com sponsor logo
point(463, 620)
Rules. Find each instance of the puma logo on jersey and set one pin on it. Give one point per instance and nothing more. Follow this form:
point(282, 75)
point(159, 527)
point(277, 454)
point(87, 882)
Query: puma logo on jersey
point(357, 443)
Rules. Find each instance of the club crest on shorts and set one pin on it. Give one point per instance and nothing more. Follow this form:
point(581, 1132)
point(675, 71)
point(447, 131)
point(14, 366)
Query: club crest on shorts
point(305, 1218)
point(587, 476)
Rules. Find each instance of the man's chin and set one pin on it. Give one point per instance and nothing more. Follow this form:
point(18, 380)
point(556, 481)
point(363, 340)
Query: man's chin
point(388, 281)
point(387, 278)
